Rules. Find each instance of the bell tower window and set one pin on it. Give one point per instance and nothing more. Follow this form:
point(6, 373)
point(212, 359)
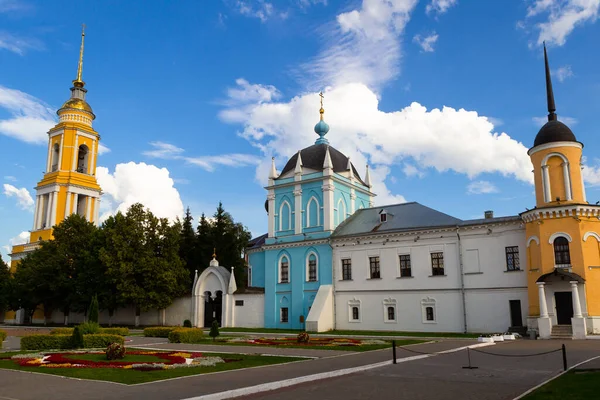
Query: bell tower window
point(562, 255)
point(82, 159)
point(55, 155)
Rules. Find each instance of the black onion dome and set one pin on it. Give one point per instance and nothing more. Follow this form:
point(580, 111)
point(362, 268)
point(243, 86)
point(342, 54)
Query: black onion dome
point(554, 131)
point(313, 157)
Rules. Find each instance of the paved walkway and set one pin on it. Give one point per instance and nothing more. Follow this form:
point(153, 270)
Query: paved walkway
point(24, 386)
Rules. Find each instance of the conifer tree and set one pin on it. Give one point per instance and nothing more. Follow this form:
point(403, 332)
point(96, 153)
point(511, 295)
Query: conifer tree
point(187, 244)
point(214, 330)
point(5, 286)
point(204, 243)
point(93, 310)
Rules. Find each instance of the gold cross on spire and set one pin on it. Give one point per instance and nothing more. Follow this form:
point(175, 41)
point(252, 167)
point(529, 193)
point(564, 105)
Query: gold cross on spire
point(322, 110)
point(79, 82)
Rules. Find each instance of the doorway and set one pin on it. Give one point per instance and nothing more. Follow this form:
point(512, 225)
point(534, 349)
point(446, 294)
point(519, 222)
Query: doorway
point(564, 307)
point(213, 308)
point(516, 318)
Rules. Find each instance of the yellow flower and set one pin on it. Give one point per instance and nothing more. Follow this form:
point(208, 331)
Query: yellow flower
point(184, 355)
point(127, 366)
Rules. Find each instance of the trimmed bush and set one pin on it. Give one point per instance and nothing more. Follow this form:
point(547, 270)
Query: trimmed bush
point(214, 330)
point(115, 351)
point(186, 335)
point(187, 323)
point(89, 328)
point(62, 342)
point(3, 335)
point(77, 337)
point(159, 331)
point(106, 331)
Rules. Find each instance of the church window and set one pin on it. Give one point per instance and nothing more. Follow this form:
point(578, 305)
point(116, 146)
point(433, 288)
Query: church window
point(428, 310)
point(341, 211)
point(429, 314)
point(512, 258)
point(312, 268)
point(82, 159)
point(55, 154)
point(347, 269)
point(437, 264)
point(312, 215)
point(285, 216)
point(562, 256)
point(405, 268)
point(355, 313)
point(284, 314)
point(375, 272)
point(284, 270)
point(391, 313)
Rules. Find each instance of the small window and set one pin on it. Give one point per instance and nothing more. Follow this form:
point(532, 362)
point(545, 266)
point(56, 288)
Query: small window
point(355, 313)
point(347, 269)
point(391, 313)
point(437, 264)
point(312, 268)
point(239, 302)
point(405, 270)
point(375, 272)
point(512, 258)
point(383, 216)
point(429, 315)
point(284, 270)
point(284, 314)
point(562, 256)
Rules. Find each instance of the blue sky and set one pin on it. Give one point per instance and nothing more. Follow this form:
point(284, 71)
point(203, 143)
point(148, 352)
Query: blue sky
point(442, 98)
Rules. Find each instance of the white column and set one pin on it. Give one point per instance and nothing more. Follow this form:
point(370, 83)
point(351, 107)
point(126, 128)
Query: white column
point(49, 159)
point(48, 216)
point(352, 201)
point(567, 179)
point(88, 208)
point(542, 296)
point(75, 151)
point(328, 205)
point(36, 212)
point(582, 184)
point(68, 204)
point(92, 159)
point(54, 207)
point(40, 217)
point(271, 216)
point(298, 210)
point(97, 212)
point(75, 203)
point(546, 184)
point(576, 302)
point(60, 152)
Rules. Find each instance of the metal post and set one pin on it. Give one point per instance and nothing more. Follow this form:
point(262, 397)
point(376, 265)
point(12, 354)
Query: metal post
point(564, 353)
point(469, 358)
point(394, 350)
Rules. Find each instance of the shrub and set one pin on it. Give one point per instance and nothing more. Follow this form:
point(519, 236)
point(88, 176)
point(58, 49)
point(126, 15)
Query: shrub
point(93, 310)
point(101, 340)
point(186, 335)
point(187, 323)
point(61, 331)
point(46, 342)
point(89, 328)
point(214, 330)
point(77, 337)
point(303, 337)
point(158, 331)
point(3, 335)
point(115, 351)
point(107, 331)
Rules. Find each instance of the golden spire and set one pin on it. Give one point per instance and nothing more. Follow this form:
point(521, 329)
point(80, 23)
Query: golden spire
point(321, 111)
point(78, 82)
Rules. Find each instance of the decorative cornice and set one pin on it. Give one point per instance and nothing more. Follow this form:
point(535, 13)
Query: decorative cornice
point(567, 210)
point(552, 145)
point(294, 244)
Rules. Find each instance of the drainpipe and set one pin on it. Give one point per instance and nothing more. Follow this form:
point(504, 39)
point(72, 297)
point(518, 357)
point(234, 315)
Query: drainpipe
point(332, 282)
point(462, 281)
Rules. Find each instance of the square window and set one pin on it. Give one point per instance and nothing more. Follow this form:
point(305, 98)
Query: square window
point(428, 311)
point(405, 268)
point(284, 314)
point(512, 258)
point(239, 302)
point(437, 263)
point(347, 269)
point(375, 272)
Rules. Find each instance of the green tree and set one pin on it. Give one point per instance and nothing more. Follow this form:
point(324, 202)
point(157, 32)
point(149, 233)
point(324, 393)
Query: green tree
point(214, 330)
point(93, 310)
point(5, 286)
point(187, 244)
point(204, 243)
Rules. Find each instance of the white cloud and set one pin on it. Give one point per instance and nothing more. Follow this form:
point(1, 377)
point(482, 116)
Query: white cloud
point(440, 6)
point(24, 199)
point(562, 17)
point(363, 45)
point(411, 170)
point(16, 44)
point(541, 121)
point(30, 117)
point(563, 73)
point(246, 92)
point(10, 178)
point(426, 42)
point(260, 9)
point(441, 139)
point(481, 187)
point(102, 149)
point(209, 163)
point(139, 183)
point(7, 6)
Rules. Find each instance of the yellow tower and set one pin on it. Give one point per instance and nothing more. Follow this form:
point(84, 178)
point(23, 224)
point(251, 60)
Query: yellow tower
point(69, 184)
point(563, 235)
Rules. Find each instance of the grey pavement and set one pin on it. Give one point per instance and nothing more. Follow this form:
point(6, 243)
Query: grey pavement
point(25, 386)
point(443, 377)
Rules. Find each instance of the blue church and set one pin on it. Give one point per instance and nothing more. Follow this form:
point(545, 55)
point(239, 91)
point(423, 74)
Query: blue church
point(316, 191)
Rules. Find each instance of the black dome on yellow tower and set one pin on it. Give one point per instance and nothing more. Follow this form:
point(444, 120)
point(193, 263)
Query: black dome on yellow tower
point(553, 130)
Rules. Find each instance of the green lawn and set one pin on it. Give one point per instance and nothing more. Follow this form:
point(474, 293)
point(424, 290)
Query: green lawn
point(366, 347)
point(358, 333)
point(574, 385)
point(128, 376)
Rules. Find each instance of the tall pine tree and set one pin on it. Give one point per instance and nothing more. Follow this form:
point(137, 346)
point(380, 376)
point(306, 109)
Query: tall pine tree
point(187, 244)
point(204, 243)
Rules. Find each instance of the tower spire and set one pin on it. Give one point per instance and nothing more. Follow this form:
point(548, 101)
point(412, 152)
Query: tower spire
point(321, 128)
point(549, 92)
point(78, 82)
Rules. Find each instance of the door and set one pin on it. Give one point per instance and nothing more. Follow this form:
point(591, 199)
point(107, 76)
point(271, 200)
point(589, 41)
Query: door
point(564, 307)
point(516, 319)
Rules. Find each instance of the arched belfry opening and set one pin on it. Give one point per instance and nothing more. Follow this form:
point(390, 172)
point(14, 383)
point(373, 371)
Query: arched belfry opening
point(82, 159)
point(55, 154)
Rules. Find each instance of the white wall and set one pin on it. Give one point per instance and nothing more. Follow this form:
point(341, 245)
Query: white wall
point(252, 313)
point(488, 311)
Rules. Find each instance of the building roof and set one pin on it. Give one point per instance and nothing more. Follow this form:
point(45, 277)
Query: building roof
point(257, 242)
point(405, 217)
point(313, 157)
point(554, 131)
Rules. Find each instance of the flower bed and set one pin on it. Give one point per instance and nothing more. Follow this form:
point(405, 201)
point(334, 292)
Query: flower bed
point(81, 359)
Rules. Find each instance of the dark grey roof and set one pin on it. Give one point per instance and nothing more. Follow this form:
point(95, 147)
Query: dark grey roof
point(554, 131)
point(257, 242)
point(313, 157)
point(405, 217)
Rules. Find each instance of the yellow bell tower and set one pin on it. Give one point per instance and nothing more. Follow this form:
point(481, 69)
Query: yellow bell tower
point(69, 184)
point(563, 235)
